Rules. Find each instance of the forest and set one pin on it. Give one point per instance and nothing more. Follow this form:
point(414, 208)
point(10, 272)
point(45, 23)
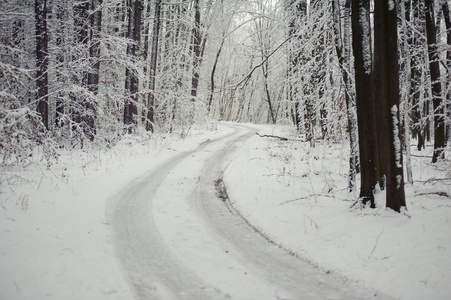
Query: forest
point(373, 73)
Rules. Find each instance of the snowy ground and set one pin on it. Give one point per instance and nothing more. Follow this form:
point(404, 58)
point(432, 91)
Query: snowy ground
point(56, 241)
point(296, 195)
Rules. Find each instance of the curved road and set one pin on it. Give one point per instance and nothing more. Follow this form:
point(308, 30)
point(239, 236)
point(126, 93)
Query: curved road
point(178, 237)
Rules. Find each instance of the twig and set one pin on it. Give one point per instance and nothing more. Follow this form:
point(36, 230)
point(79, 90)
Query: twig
point(377, 240)
point(355, 202)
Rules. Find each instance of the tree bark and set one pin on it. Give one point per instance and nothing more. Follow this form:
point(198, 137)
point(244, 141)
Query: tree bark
point(434, 66)
point(405, 17)
point(131, 79)
point(296, 12)
point(213, 71)
point(447, 18)
point(94, 55)
point(42, 40)
point(342, 50)
point(361, 44)
point(386, 70)
point(153, 68)
point(416, 10)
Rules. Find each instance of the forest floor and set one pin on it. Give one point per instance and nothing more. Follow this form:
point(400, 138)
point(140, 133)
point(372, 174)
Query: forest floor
point(69, 230)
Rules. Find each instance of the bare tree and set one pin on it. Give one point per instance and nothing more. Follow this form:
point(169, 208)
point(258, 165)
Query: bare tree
point(447, 18)
point(386, 73)
point(361, 44)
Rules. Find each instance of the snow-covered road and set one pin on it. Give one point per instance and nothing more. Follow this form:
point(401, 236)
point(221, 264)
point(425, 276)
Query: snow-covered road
point(178, 236)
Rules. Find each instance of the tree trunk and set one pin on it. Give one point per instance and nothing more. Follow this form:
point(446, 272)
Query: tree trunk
point(434, 65)
point(131, 79)
point(343, 53)
point(296, 12)
point(196, 42)
point(447, 18)
point(81, 22)
point(267, 93)
point(386, 72)
point(94, 55)
point(416, 10)
point(361, 43)
point(94, 50)
point(213, 71)
point(42, 40)
point(405, 17)
point(153, 68)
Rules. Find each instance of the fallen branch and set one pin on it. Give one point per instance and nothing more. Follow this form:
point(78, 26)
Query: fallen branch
point(273, 136)
point(433, 179)
point(307, 197)
point(441, 194)
point(421, 156)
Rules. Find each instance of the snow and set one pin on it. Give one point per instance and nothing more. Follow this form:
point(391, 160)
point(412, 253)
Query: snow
point(396, 140)
point(55, 240)
point(391, 5)
point(296, 195)
point(366, 37)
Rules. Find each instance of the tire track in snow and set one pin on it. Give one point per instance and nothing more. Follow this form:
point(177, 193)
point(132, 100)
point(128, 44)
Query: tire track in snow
point(296, 278)
point(148, 263)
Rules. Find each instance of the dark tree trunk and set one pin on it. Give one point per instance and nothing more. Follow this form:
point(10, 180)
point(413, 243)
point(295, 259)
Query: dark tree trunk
point(131, 79)
point(447, 18)
point(386, 72)
point(361, 42)
point(378, 96)
point(434, 65)
point(153, 68)
point(42, 85)
point(213, 71)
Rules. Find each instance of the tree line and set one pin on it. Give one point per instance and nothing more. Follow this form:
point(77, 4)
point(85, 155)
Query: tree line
point(393, 61)
point(81, 70)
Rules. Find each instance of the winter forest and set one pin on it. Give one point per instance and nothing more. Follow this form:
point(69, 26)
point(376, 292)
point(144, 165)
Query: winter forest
point(374, 77)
